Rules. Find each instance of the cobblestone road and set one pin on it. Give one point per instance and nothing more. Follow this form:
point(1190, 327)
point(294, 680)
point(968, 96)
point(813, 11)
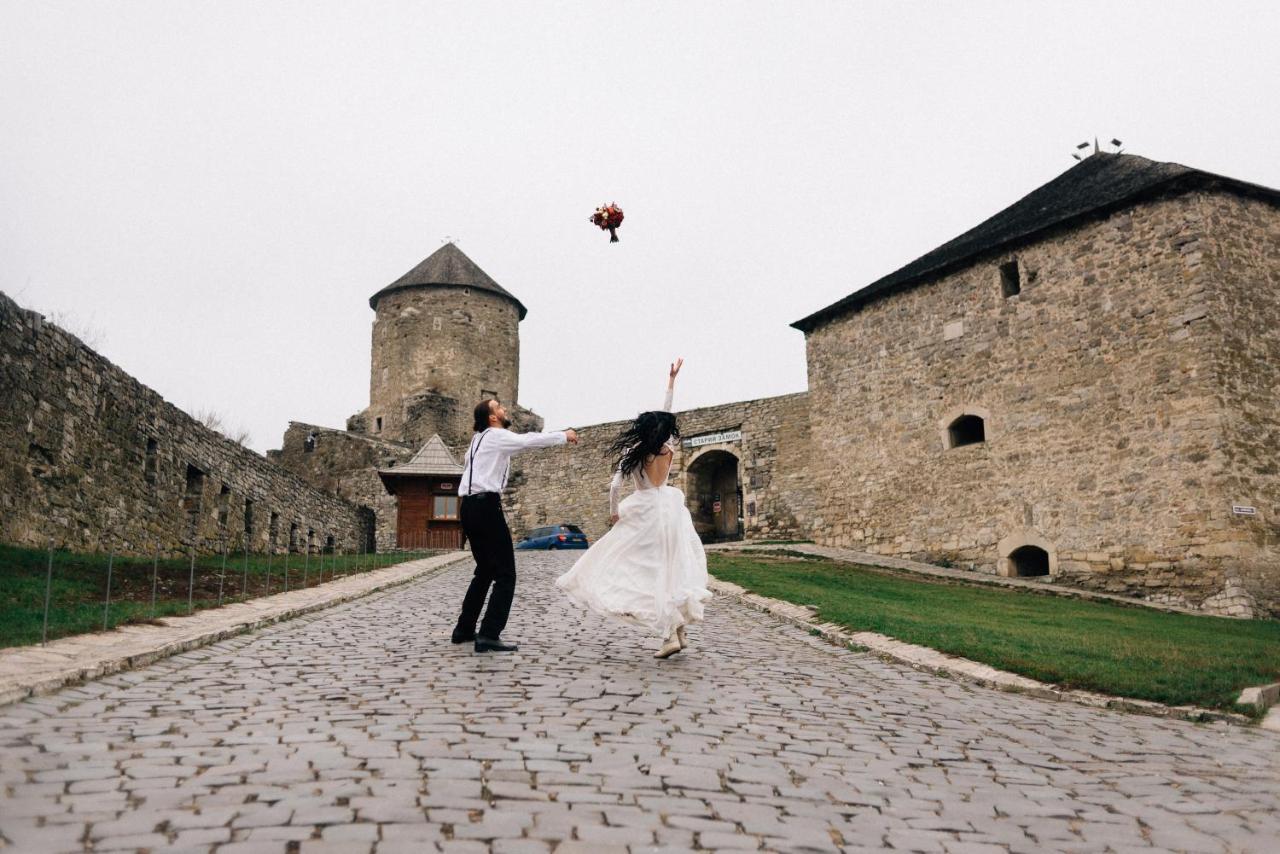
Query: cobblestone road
point(363, 729)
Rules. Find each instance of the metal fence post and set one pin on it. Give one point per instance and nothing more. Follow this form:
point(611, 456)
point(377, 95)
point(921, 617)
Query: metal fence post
point(155, 575)
point(306, 561)
point(106, 603)
point(191, 582)
point(270, 554)
point(286, 568)
point(244, 592)
point(48, 590)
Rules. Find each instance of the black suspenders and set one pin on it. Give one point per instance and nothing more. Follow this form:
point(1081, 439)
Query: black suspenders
point(471, 469)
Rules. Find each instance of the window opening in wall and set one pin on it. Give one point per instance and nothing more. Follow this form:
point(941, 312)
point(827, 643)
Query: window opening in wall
point(224, 505)
point(273, 529)
point(293, 536)
point(377, 424)
point(437, 323)
point(966, 430)
point(1010, 279)
point(311, 540)
point(1029, 561)
point(329, 544)
point(248, 518)
point(151, 466)
point(466, 292)
point(191, 499)
point(444, 507)
point(309, 443)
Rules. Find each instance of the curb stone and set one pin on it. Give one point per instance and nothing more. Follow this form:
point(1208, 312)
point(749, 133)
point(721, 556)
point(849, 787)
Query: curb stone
point(954, 667)
point(31, 671)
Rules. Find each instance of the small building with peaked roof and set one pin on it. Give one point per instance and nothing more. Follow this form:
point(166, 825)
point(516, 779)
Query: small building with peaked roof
point(427, 491)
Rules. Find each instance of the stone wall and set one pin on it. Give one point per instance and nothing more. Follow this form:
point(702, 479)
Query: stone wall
point(322, 455)
point(1243, 260)
point(92, 459)
point(451, 344)
point(1104, 442)
point(571, 483)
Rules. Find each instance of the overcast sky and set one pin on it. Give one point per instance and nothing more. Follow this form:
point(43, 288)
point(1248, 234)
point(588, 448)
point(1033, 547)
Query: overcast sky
point(214, 190)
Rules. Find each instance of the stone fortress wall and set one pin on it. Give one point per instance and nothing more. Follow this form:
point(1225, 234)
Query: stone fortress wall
point(1103, 385)
point(92, 459)
point(769, 458)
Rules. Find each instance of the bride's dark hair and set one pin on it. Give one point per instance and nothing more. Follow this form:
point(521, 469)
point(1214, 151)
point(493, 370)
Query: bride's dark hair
point(643, 438)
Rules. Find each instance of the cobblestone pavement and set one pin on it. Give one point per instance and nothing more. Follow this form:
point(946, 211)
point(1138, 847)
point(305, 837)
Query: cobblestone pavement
point(363, 729)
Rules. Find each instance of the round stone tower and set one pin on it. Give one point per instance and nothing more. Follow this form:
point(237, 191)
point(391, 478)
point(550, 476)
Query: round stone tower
point(445, 336)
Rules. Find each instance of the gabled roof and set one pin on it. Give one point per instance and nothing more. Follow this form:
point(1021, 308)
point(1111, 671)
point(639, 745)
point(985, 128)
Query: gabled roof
point(433, 458)
point(1099, 184)
point(448, 266)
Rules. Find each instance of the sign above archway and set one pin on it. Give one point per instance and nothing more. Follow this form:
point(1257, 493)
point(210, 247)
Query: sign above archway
point(713, 438)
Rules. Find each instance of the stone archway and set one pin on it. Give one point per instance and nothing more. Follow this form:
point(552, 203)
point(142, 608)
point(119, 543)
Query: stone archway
point(713, 491)
point(1026, 554)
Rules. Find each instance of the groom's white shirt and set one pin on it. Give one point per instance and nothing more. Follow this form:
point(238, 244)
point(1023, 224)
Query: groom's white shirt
point(488, 460)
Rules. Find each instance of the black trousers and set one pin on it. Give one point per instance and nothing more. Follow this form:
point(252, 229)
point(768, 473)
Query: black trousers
point(486, 529)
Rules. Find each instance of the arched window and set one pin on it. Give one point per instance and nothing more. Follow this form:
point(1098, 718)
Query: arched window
point(1029, 561)
point(966, 430)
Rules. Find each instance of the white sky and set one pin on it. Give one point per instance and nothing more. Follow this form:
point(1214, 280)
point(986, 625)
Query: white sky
point(218, 188)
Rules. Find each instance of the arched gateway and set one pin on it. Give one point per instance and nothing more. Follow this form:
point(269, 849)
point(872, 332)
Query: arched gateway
point(713, 491)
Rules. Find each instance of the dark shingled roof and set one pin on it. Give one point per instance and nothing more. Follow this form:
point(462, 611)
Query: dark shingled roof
point(1098, 184)
point(450, 267)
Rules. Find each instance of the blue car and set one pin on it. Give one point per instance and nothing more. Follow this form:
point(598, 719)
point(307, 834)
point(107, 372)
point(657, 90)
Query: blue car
point(555, 537)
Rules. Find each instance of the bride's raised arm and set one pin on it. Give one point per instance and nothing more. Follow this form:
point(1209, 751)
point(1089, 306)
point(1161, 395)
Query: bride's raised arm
point(671, 384)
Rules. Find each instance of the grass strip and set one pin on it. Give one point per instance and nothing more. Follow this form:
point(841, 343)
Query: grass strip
point(1176, 659)
point(79, 584)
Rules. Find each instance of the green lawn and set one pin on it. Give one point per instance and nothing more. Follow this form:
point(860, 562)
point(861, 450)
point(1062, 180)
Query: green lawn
point(79, 586)
point(1131, 652)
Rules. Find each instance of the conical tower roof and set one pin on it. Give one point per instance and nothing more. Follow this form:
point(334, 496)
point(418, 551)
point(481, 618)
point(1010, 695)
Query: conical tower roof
point(449, 267)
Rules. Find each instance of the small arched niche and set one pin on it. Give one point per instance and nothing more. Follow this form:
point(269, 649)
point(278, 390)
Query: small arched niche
point(1026, 554)
point(966, 430)
point(964, 425)
point(1029, 562)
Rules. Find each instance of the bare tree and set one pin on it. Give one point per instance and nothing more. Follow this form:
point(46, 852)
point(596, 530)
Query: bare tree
point(90, 334)
point(214, 421)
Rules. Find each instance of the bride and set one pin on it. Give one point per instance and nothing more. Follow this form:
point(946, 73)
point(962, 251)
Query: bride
point(649, 569)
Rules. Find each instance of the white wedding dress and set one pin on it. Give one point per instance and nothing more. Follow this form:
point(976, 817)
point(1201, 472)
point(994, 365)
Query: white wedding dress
point(650, 569)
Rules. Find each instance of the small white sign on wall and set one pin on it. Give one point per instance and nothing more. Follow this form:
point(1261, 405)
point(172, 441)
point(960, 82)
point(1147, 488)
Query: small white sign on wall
point(714, 439)
point(1244, 510)
point(952, 330)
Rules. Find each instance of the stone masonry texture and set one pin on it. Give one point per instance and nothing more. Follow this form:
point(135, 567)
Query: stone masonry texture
point(571, 483)
point(91, 459)
point(363, 729)
point(436, 350)
point(1129, 397)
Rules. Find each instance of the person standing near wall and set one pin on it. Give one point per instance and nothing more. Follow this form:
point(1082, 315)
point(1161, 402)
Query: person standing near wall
point(484, 476)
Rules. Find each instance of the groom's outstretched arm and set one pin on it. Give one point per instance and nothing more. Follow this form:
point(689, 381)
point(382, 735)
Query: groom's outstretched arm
point(514, 443)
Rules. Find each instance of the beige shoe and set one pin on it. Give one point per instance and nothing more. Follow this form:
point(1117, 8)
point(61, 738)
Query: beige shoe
point(680, 637)
point(669, 647)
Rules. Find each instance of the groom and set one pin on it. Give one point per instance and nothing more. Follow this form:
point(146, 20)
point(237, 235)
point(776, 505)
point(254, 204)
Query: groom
point(484, 477)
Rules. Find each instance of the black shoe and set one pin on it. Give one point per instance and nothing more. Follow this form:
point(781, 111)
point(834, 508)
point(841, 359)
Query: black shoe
point(490, 645)
point(460, 637)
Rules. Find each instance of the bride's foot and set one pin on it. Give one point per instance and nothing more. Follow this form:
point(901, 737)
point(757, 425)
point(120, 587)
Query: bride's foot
point(669, 647)
point(680, 637)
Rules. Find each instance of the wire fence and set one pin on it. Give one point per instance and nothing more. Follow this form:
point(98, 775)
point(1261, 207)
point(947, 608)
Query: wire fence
point(54, 592)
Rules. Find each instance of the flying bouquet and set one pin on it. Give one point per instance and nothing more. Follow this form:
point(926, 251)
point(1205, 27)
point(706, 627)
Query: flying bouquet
point(608, 218)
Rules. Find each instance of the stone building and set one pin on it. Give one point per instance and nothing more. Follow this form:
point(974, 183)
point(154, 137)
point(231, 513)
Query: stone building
point(91, 459)
point(445, 335)
point(1084, 386)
